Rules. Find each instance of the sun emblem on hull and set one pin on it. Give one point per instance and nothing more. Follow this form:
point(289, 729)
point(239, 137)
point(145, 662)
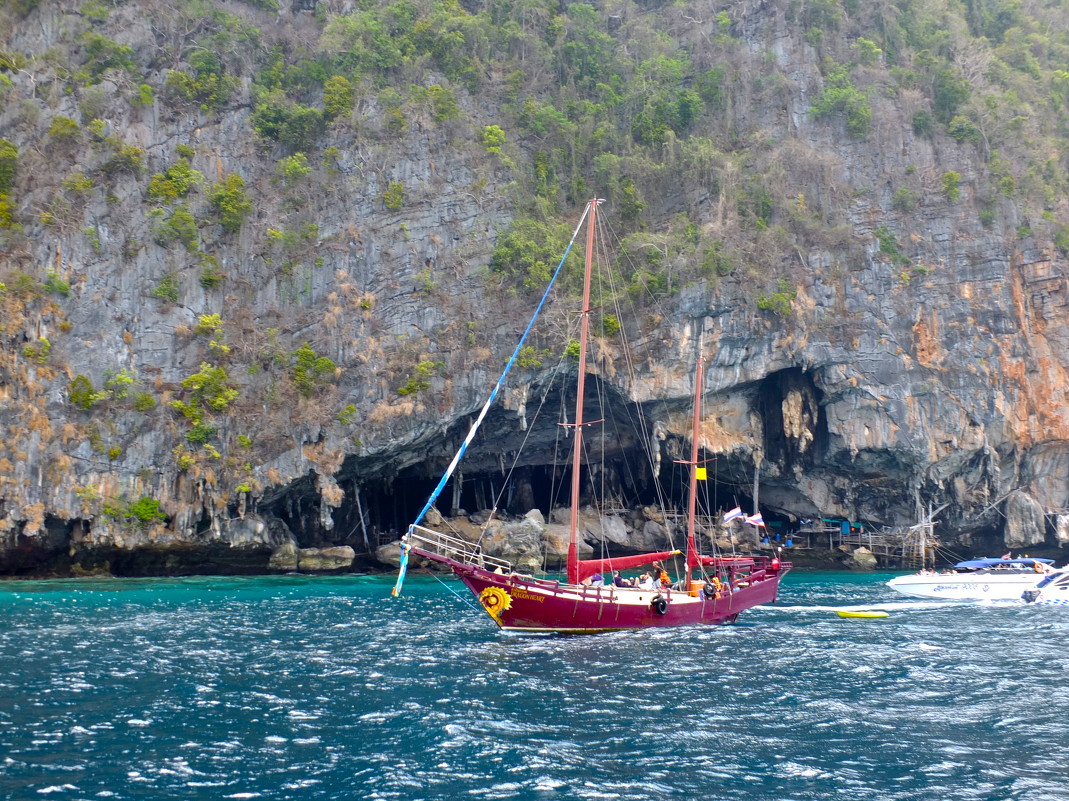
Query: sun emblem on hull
point(495, 601)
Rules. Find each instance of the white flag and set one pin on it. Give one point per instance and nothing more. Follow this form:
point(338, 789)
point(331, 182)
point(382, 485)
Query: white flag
point(733, 514)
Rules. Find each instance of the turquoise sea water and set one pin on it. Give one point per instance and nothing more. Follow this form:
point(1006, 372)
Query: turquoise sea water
point(327, 688)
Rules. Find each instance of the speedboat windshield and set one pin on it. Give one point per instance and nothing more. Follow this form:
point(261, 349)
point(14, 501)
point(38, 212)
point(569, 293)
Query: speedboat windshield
point(1060, 578)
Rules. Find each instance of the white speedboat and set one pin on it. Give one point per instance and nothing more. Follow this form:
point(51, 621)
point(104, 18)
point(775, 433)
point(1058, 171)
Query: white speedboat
point(976, 579)
point(1053, 590)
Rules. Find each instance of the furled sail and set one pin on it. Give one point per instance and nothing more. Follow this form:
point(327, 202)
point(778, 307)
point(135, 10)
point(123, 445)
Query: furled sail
point(588, 567)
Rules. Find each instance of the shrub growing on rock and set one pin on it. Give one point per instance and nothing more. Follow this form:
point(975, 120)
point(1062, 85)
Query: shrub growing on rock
point(231, 202)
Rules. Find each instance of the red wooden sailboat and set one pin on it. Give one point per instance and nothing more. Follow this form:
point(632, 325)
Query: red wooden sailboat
point(714, 589)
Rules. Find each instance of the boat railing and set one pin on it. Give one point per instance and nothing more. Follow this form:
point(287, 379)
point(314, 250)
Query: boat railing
point(456, 549)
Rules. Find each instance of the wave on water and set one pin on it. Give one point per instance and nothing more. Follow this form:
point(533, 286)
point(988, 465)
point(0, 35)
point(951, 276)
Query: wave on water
point(274, 688)
point(889, 606)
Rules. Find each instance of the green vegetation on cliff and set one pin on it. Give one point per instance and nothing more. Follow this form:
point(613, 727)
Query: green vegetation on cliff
point(277, 167)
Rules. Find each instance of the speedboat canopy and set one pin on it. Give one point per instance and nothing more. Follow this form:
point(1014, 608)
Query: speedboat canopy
point(979, 564)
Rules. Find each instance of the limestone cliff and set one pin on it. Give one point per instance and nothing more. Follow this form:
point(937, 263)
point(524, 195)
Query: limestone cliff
point(257, 275)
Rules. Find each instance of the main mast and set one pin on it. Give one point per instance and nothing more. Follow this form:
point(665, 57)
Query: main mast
point(692, 504)
point(584, 334)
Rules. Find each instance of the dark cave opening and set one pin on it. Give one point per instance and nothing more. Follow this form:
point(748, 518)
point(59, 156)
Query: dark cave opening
point(624, 482)
point(393, 504)
point(795, 427)
point(618, 471)
point(41, 552)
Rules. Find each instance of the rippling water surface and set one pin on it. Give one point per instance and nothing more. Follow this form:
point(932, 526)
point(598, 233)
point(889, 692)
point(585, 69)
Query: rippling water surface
point(294, 688)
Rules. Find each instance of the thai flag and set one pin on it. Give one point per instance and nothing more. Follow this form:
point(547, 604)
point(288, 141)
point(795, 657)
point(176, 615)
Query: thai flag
point(733, 514)
point(756, 520)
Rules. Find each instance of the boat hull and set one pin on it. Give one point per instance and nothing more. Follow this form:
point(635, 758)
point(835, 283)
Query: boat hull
point(1054, 591)
point(518, 603)
point(964, 587)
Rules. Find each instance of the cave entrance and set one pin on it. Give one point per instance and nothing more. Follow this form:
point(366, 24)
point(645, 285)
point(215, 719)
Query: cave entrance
point(392, 504)
point(795, 434)
point(718, 493)
point(622, 482)
point(792, 412)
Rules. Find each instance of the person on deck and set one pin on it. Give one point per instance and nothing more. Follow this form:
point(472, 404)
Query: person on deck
point(620, 581)
point(645, 582)
point(661, 575)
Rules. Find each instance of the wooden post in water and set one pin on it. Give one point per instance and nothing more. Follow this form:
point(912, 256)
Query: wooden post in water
point(360, 512)
point(756, 480)
point(458, 487)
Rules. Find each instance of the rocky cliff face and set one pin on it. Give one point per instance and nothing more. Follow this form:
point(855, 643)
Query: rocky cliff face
point(190, 384)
